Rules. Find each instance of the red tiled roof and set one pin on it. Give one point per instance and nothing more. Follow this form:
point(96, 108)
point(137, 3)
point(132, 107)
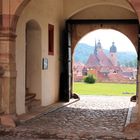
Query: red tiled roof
point(99, 60)
point(116, 76)
point(104, 60)
point(92, 61)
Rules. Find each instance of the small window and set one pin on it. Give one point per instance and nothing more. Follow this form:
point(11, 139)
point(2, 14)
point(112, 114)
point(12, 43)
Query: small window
point(51, 39)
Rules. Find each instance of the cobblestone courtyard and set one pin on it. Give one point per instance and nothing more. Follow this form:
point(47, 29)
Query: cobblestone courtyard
point(90, 118)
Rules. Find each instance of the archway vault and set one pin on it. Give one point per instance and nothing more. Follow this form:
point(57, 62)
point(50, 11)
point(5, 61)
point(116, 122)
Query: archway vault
point(79, 28)
point(81, 8)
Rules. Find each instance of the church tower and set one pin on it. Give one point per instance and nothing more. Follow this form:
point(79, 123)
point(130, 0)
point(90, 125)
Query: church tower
point(98, 47)
point(113, 54)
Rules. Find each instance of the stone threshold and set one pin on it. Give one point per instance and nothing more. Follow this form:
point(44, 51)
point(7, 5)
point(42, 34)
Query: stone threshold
point(44, 110)
point(132, 126)
point(131, 115)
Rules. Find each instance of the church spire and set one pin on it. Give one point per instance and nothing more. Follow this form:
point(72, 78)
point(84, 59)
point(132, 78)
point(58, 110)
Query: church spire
point(95, 42)
point(113, 48)
point(113, 54)
point(99, 44)
point(95, 50)
point(97, 47)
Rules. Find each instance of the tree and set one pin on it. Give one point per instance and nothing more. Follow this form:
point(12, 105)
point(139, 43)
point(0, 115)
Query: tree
point(90, 78)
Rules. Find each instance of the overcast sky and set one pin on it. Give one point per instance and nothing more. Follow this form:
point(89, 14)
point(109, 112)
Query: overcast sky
point(106, 37)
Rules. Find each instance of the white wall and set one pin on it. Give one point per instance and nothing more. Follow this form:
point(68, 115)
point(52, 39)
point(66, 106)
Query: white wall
point(43, 12)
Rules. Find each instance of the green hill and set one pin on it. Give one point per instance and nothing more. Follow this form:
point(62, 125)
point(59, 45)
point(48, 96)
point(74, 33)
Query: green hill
point(83, 51)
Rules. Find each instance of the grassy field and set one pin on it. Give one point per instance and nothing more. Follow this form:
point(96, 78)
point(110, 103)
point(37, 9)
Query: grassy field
point(104, 89)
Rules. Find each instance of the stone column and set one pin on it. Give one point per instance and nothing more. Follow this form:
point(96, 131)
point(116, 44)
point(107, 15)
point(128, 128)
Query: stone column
point(1, 74)
point(138, 90)
point(8, 78)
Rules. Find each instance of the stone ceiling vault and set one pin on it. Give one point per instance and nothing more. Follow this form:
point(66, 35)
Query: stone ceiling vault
point(107, 9)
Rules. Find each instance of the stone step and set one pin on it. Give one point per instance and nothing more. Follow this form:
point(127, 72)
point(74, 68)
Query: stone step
point(1, 112)
point(29, 98)
point(36, 102)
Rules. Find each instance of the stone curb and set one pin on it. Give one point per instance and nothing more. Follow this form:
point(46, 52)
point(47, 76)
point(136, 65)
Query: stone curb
point(129, 114)
point(49, 109)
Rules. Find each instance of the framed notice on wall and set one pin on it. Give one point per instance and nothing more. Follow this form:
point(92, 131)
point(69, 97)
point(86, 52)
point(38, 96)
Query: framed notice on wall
point(45, 63)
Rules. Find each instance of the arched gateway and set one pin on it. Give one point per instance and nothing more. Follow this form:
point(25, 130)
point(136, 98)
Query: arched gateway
point(76, 29)
point(81, 17)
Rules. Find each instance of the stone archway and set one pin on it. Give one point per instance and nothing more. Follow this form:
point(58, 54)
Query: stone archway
point(86, 59)
point(127, 27)
point(28, 61)
point(8, 36)
point(10, 11)
point(78, 28)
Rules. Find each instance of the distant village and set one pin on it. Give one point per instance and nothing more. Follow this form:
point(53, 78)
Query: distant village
point(105, 68)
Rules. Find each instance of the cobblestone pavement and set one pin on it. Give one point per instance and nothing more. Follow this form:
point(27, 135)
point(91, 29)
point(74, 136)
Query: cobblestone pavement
point(90, 118)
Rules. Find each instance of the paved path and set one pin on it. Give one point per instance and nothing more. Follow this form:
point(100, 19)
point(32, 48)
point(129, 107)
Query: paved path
point(91, 118)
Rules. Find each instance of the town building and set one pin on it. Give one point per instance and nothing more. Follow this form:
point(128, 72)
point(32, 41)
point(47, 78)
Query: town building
point(107, 67)
point(99, 58)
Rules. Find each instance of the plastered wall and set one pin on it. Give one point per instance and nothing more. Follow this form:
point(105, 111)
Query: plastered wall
point(44, 13)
